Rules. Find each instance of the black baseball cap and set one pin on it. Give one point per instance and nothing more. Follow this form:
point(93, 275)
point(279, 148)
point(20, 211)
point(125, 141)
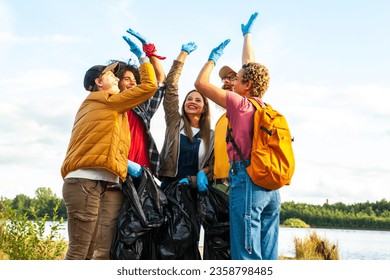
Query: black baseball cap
point(94, 72)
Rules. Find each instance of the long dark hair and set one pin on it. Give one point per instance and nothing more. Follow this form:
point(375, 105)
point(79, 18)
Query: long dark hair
point(204, 121)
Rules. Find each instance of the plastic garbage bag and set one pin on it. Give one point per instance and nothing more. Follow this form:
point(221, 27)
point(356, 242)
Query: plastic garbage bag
point(141, 215)
point(179, 235)
point(213, 207)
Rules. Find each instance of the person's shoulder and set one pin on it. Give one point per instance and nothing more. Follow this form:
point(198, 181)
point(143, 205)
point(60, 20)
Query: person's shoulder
point(232, 95)
point(258, 100)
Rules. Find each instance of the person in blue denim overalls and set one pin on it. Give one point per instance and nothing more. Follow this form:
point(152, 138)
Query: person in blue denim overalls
point(254, 211)
point(187, 152)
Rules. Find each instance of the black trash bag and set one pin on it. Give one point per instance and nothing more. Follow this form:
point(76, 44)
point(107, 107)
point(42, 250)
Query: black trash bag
point(141, 214)
point(179, 235)
point(213, 207)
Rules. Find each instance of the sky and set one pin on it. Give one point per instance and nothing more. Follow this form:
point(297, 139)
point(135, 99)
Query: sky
point(328, 62)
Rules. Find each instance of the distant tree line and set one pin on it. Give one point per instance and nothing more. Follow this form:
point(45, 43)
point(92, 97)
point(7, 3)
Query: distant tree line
point(368, 215)
point(42, 204)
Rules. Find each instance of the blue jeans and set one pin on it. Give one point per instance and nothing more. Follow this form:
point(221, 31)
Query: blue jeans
point(254, 217)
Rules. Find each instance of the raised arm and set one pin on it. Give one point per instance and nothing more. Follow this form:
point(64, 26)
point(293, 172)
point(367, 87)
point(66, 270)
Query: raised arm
point(131, 98)
point(171, 99)
point(151, 52)
point(202, 83)
point(186, 49)
point(248, 54)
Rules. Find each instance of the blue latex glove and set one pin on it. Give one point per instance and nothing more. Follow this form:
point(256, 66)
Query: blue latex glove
point(184, 181)
point(142, 39)
point(134, 169)
point(217, 52)
point(248, 27)
point(133, 47)
point(202, 181)
point(189, 47)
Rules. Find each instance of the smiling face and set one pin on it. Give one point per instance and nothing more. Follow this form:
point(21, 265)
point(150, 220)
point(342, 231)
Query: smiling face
point(128, 81)
point(194, 104)
point(108, 81)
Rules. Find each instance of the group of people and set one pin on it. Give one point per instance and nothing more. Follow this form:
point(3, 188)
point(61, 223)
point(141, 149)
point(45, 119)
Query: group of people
point(111, 139)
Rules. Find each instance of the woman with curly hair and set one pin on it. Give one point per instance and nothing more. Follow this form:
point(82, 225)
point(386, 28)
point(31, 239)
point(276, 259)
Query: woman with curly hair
point(254, 211)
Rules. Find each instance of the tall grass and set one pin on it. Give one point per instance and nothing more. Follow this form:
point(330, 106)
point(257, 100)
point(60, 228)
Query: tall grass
point(313, 247)
point(24, 239)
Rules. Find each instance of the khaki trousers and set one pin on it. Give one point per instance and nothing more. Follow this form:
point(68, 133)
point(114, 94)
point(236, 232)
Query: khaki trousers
point(112, 200)
point(92, 217)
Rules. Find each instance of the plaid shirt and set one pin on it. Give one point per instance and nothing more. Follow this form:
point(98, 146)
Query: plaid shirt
point(146, 111)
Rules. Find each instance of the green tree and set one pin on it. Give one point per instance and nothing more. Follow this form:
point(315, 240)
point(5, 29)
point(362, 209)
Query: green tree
point(21, 203)
point(44, 202)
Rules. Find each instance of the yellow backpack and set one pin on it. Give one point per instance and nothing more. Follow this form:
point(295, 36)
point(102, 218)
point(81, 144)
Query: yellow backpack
point(272, 160)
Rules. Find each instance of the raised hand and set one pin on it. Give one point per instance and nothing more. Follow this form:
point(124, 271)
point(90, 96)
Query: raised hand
point(217, 52)
point(133, 47)
point(189, 47)
point(148, 47)
point(142, 39)
point(248, 27)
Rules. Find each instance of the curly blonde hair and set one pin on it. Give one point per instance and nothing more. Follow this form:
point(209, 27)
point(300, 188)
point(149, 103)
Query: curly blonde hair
point(259, 75)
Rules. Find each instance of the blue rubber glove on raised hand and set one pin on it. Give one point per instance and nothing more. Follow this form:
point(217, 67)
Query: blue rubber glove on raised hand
point(148, 47)
point(184, 181)
point(134, 169)
point(133, 47)
point(217, 52)
point(202, 181)
point(189, 47)
point(141, 38)
point(248, 27)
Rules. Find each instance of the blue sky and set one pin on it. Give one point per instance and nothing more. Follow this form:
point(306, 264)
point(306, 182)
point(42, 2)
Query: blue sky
point(328, 60)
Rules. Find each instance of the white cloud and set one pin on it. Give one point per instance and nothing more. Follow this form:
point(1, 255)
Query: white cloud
point(341, 130)
point(7, 37)
point(341, 135)
point(36, 80)
point(5, 16)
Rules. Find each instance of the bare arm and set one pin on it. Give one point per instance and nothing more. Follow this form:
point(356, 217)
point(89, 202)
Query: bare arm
point(158, 68)
point(203, 85)
point(248, 54)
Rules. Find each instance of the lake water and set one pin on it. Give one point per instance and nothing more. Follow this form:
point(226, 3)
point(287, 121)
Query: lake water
point(352, 244)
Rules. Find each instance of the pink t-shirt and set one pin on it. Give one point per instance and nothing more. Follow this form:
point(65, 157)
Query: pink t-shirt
point(240, 111)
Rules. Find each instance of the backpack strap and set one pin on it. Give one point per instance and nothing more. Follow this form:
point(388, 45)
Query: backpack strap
point(258, 107)
point(229, 138)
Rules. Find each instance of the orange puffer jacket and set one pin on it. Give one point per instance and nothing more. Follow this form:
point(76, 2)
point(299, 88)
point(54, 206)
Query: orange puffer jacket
point(100, 136)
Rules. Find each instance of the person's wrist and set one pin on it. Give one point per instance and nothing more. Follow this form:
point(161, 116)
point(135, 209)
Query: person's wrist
point(210, 62)
point(150, 50)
